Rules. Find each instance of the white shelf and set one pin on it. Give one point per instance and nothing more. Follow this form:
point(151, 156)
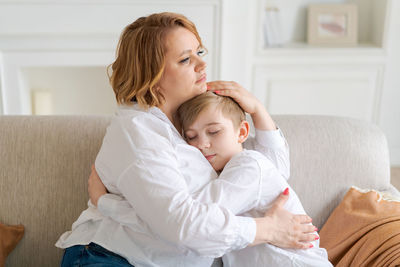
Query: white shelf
point(300, 53)
point(372, 17)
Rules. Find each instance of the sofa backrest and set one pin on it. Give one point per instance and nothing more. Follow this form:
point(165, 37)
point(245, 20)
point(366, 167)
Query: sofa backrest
point(44, 167)
point(45, 163)
point(330, 154)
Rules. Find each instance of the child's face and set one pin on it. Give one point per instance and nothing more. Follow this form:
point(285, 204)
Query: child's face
point(216, 137)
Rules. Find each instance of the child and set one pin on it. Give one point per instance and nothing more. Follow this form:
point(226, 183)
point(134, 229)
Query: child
point(216, 125)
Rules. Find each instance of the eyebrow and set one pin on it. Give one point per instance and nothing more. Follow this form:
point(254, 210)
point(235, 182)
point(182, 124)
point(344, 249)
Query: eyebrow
point(188, 51)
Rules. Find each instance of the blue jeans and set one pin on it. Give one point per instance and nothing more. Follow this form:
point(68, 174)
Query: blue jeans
point(92, 255)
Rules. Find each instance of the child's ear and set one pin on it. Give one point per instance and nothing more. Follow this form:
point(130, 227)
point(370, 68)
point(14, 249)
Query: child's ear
point(243, 131)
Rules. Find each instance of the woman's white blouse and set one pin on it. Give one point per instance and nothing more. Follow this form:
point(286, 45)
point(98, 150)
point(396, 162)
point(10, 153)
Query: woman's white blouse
point(144, 160)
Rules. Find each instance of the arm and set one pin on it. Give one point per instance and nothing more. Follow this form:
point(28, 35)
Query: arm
point(147, 176)
point(269, 140)
point(238, 187)
point(278, 227)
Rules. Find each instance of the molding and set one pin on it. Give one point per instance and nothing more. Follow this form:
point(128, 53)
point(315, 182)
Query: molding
point(265, 76)
point(105, 2)
point(57, 42)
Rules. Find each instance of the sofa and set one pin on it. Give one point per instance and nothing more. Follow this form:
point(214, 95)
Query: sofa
point(45, 163)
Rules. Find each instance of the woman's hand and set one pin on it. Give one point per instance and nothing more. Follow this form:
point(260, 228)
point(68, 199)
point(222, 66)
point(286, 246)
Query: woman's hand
point(249, 103)
point(96, 187)
point(284, 229)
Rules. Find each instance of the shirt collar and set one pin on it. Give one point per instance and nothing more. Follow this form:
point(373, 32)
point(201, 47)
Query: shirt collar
point(154, 111)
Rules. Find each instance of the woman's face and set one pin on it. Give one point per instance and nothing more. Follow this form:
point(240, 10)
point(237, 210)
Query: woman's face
point(185, 71)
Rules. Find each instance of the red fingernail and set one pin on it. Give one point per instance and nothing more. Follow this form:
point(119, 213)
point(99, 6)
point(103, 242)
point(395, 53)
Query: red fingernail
point(218, 92)
point(316, 229)
point(208, 87)
point(311, 245)
point(286, 192)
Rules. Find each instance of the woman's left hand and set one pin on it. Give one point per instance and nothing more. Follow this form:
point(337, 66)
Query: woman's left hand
point(96, 187)
point(244, 98)
point(249, 103)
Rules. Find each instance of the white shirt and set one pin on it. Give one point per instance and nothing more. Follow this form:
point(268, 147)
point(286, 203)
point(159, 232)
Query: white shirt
point(144, 159)
point(248, 184)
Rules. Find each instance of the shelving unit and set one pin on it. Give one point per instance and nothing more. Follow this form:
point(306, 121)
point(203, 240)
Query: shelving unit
point(298, 78)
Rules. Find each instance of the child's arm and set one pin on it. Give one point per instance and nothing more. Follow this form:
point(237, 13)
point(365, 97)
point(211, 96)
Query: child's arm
point(269, 140)
point(238, 187)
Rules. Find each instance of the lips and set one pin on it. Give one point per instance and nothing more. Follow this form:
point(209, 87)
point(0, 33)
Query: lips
point(209, 157)
point(203, 78)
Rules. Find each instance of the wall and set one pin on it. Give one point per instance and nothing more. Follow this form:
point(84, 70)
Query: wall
point(82, 34)
point(373, 69)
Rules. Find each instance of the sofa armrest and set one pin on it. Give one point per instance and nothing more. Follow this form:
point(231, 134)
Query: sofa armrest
point(331, 154)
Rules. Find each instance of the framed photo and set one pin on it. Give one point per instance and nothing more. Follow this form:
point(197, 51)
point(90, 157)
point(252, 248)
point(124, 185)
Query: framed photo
point(332, 24)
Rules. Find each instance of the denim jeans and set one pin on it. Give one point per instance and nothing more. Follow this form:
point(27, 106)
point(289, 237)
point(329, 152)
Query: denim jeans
point(92, 255)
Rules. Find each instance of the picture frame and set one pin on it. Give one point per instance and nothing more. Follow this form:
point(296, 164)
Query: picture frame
point(332, 24)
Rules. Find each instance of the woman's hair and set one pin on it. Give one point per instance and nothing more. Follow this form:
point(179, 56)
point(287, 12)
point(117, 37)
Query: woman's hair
point(140, 58)
point(189, 111)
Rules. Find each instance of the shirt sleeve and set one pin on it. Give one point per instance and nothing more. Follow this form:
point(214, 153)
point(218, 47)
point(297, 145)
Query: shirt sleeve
point(273, 145)
point(157, 193)
point(238, 187)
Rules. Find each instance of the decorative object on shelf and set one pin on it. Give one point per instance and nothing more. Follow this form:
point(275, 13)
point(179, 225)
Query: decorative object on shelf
point(42, 102)
point(332, 24)
point(272, 27)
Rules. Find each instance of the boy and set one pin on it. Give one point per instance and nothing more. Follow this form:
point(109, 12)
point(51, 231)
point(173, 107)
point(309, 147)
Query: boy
point(216, 125)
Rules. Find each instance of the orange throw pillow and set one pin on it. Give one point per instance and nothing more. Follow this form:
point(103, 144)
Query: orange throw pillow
point(363, 230)
point(10, 235)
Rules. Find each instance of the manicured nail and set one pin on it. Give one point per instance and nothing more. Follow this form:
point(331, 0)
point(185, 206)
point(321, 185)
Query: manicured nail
point(316, 238)
point(311, 245)
point(208, 87)
point(316, 229)
point(286, 192)
point(216, 91)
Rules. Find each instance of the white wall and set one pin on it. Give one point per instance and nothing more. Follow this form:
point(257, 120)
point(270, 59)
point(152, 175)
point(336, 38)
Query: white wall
point(390, 108)
point(76, 35)
point(379, 66)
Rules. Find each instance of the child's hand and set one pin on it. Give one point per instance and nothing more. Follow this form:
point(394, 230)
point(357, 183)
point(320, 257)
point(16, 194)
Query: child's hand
point(249, 103)
point(96, 187)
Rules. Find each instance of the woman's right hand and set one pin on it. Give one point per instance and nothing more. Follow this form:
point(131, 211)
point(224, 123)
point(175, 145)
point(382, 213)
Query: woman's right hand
point(96, 187)
point(284, 229)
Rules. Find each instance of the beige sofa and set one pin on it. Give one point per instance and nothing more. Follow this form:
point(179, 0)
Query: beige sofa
point(45, 162)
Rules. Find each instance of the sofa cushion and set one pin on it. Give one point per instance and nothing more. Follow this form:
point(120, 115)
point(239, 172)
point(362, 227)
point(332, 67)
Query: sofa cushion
point(10, 235)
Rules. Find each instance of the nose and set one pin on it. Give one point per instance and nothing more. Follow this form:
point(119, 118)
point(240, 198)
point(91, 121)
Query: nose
point(203, 143)
point(201, 65)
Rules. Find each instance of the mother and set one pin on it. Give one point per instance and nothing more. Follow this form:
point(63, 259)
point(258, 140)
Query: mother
point(145, 160)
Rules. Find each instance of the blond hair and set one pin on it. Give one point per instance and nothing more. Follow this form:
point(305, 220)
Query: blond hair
point(189, 111)
point(140, 58)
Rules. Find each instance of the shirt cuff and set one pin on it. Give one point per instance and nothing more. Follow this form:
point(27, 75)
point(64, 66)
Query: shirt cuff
point(246, 231)
point(271, 138)
point(105, 204)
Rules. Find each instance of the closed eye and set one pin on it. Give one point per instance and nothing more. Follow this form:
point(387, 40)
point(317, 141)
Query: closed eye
point(185, 60)
point(213, 132)
point(191, 138)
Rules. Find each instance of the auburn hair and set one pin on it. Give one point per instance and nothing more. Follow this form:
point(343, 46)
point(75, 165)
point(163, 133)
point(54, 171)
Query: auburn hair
point(140, 58)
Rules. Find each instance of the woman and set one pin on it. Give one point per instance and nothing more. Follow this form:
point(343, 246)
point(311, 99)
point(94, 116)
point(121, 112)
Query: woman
point(144, 159)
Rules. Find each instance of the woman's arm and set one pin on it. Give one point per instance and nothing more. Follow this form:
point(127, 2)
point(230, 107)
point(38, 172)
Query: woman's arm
point(148, 176)
point(278, 226)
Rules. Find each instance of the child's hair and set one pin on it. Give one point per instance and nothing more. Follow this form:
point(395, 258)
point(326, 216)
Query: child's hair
point(190, 110)
point(140, 60)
